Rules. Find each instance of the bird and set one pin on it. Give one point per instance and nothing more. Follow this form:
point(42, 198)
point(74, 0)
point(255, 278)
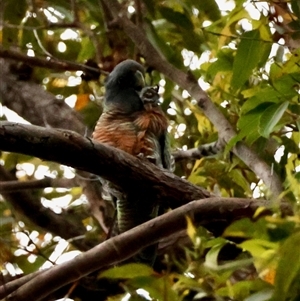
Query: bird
point(133, 121)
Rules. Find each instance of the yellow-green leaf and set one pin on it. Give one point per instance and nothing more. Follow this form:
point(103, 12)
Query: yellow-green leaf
point(128, 271)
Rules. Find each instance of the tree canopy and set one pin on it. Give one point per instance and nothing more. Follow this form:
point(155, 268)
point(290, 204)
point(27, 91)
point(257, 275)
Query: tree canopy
point(229, 82)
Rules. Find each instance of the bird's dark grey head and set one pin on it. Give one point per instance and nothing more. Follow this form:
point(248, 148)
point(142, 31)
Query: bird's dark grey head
point(123, 86)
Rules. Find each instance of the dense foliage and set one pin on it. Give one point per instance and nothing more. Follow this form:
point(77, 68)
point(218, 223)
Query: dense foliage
point(244, 54)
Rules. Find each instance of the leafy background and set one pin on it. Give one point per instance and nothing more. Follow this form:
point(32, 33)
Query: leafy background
point(246, 55)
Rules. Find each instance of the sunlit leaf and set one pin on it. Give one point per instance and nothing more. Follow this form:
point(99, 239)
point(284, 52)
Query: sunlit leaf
point(245, 228)
point(286, 281)
point(191, 230)
point(242, 289)
point(158, 288)
point(258, 246)
point(261, 95)
point(263, 295)
point(211, 258)
point(248, 125)
point(270, 118)
point(247, 58)
point(128, 271)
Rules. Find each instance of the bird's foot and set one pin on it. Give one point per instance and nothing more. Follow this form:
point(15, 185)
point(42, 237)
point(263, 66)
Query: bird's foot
point(151, 159)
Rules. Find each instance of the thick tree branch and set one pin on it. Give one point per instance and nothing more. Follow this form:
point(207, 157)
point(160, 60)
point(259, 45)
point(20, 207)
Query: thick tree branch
point(10, 286)
point(34, 104)
point(122, 169)
point(124, 246)
point(189, 83)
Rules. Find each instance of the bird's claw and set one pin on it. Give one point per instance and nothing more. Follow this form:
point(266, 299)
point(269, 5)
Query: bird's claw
point(151, 159)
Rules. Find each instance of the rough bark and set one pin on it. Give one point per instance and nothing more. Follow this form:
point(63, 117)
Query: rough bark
point(34, 104)
point(129, 173)
point(124, 246)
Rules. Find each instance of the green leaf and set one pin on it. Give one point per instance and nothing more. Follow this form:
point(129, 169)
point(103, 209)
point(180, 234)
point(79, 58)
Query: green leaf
point(223, 63)
point(192, 40)
point(150, 6)
point(286, 84)
point(239, 179)
point(258, 246)
point(242, 289)
point(128, 271)
point(158, 288)
point(262, 95)
point(287, 275)
point(263, 295)
point(12, 12)
point(247, 58)
point(211, 258)
point(209, 7)
point(296, 7)
point(270, 118)
point(248, 125)
point(161, 46)
point(245, 228)
point(87, 49)
point(176, 17)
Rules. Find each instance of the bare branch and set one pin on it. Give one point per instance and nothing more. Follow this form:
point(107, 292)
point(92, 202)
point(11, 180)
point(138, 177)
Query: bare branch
point(189, 83)
point(37, 184)
point(117, 248)
point(49, 63)
point(120, 168)
point(9, 287)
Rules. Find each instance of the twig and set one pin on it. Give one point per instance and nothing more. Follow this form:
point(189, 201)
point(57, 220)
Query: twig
point(48, 62)
point(10, 186)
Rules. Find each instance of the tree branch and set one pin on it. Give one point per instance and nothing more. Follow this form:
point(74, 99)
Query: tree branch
point(125, 171)
point(127, 244)
point(10, 186)
point(34, 104)
point(29, 205)
point(49, 63)
point(189, 83)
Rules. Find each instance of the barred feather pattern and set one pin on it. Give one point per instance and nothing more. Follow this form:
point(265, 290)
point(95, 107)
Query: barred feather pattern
point(143, 134)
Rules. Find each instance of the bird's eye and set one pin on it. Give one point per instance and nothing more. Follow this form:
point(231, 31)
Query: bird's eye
point(140, 80)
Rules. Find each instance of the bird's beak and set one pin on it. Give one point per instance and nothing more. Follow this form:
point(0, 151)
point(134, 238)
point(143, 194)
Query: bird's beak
point(140, 80)
point(149, 95)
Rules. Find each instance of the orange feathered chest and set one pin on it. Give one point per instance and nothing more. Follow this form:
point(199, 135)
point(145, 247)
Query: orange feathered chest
point(137, 133)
